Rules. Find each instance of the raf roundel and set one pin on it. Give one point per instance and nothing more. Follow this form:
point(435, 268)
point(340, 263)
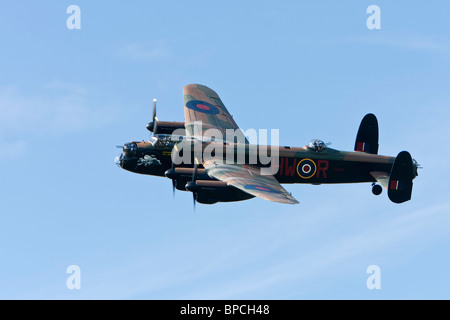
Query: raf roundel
point(259, 188)
point(306, 168)
point(202, 106)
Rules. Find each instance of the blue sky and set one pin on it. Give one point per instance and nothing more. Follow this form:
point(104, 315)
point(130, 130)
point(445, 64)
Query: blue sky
point(311, 69)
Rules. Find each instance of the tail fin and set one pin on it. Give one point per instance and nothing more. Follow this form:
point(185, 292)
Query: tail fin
point(400, 181)
point(367, 137)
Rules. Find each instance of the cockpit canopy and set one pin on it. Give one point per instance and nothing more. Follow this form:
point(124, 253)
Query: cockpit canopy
point(165, 140)
point(317, 145)
point(169, 140)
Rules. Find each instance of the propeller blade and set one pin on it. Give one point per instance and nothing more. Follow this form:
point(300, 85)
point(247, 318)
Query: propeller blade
point(194, 173)
point(194, 178)
point(155, 127)
point(173, 177)
point(194, 196)
point(154, 111)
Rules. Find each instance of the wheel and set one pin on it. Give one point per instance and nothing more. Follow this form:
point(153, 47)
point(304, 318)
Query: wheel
point(377, 189)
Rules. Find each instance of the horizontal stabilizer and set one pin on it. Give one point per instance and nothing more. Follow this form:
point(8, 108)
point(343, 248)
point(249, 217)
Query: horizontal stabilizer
point(400, 181)
point(367, 137)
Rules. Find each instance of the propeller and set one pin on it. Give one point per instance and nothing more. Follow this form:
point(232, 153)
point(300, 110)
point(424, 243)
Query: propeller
point(194, 173)
point(153, 126)
point(191, 186)
point(171, 172)
point(154, 110)
point(174, 187)
point(194, 196)
point(172, 176)
point(194, 178)
point(154, 118)
point(174, 181)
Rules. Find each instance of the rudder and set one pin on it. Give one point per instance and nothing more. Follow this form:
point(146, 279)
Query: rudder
point(367, 137)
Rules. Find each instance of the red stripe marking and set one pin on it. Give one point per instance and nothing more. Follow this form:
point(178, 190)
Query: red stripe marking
point(393, 185)
point(360, 146)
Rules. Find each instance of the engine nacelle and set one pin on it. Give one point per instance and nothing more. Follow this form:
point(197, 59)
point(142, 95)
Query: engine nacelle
point(186, 173)
point(166, 127)
point(211, 191)
point(182, 176)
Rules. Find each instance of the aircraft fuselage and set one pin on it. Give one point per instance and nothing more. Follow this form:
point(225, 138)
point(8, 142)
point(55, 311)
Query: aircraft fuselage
point(291, 165)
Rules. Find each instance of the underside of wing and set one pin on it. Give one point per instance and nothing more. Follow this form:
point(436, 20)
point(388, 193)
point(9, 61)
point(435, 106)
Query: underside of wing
point(381, 177)
point(249, 179)
point(203, 111)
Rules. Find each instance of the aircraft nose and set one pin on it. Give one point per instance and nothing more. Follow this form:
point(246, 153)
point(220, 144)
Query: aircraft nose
point(118, 160)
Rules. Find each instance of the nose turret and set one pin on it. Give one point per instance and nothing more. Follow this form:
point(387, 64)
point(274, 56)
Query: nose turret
point(129, 154)
point(130, 149)
point(118, 160)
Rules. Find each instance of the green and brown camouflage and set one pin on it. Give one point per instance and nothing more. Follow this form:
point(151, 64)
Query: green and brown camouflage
point(237, 170)
point(213, 114)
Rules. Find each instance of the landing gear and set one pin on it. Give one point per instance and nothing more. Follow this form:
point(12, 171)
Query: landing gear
point(376, 189)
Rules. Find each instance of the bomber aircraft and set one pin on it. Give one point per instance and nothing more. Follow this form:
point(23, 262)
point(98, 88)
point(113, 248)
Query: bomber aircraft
point(210, 156)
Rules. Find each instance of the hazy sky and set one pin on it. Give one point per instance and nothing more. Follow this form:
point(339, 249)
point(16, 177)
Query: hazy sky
point(311, 69)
